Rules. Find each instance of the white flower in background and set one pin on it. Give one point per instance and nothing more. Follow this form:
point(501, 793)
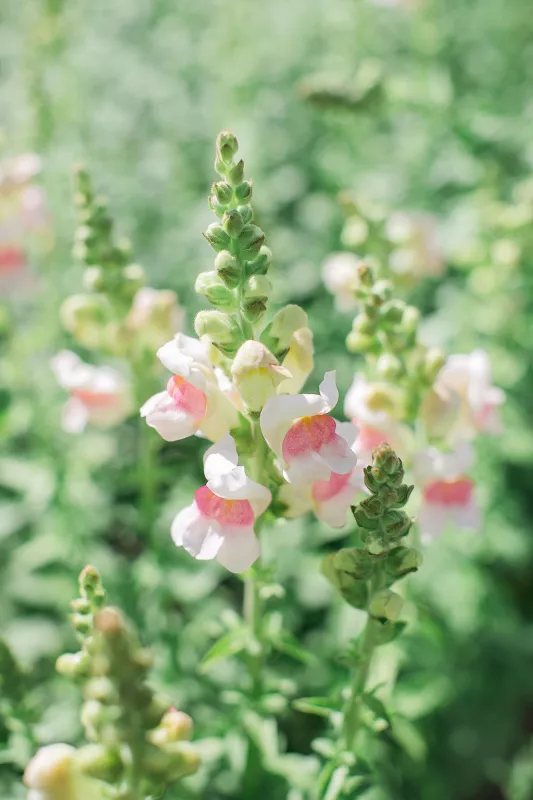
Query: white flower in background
point(155, 315)
point(98, 395)
point(52, 774)
point(193, 400)
point(448, 494)
point(417, 251)
point(330, 499)
point(340, 274)
point(220, 521)
point(310, 444)
point(470, 377)
point(374, 408)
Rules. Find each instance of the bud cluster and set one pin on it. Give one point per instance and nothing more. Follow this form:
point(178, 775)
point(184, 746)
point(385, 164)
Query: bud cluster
point(238, 285)
point(137, 743)
point(363, 575)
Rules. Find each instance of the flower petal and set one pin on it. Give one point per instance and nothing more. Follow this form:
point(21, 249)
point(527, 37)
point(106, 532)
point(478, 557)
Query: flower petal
point(75, 416)
point(239, 549)
point(307, 469)
point(338, 455)
point(198, 535)
point(171, 423)
point(432, 520)
point(347, 431)
point(181, 353)
point(236, 485)
point(220, 458)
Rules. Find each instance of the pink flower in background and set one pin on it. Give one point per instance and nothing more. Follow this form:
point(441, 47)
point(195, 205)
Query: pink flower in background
point(193, 400)
point(469, 376)
point(98, 395)
point(330, 499)
point(372, 408)
point(311, 445)
point(219, 523)
point(340, 274)
point(448, 494)
point(417, 251)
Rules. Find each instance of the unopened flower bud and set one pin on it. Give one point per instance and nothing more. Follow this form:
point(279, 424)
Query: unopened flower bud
point(236, 174)
point(176, 726)
point(392, 312)
point(352, 589)
point(246, 212)
point(223, 192)
point(133, 277)
point(253, 309)
point(410, 319)
point(353, 560)
point(99, 761)
point(93, 279)
point(382, 290)
point(211, 285)
point(53, 774)
point(233, 223)
point(396, 524)
point(402, 560)
point(73, 665)
point(217, 237)
point(251, 240)
point(221, 329)
point(360, 342)
point(433, 363)
point(261, 263)
point(385, 458)
point(366, 275)
point(389, 366)
point(243, 192)
point(284, 324)
point(385, 604)
point(228, 268)
point(227, 146)
point(257, 286)
point(256, 374)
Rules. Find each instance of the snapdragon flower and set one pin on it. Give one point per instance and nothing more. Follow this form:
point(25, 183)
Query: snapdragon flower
point(155, 315)
point(310, 444)
point(98, 395)
point(448, 494)
point(470, 377)
point(53, 774)
point(193, 400)
point(219, 523)
point(340, 274)
point(330, 499)
point(374, 408)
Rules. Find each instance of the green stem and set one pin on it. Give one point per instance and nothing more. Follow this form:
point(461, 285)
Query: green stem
point(352, 711)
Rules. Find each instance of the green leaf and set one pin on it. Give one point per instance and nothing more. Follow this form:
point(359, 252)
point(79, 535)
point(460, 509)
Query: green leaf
point(376, 706)
point(408, 737)
point(321, 706)
point(287, 644)
point(388, 632)
point(228, 645)
point(337, 784)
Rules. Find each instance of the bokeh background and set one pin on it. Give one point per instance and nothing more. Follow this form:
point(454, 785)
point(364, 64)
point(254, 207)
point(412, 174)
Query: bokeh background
point(424, 107)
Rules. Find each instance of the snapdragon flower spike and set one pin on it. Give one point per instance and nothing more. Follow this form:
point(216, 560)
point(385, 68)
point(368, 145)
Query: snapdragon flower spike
point(309, 443)
point(370, 409)
point(193, 400)
point(448, 494)
point(219, 523)
point(470, 377)
point(331, 499)
point(98, 395)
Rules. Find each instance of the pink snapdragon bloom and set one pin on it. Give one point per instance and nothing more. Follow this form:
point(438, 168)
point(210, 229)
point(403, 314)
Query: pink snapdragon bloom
point(310, 444)
point(219, 523)
point(193, 400)
point(448, 494)
point(98, 395)
point(330, 499)
point(371, 407)
point(470, 377)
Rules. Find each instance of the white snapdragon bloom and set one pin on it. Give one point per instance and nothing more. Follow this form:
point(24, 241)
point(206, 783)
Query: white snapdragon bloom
point(329, 500)
point(155, 315)
point(310, 444)
point(469, 376)
point(193, 400)
point(219, 523)
point(52, 775)
point(98, 395)
point(341, 278)
point(373, 408)
point(448, 494)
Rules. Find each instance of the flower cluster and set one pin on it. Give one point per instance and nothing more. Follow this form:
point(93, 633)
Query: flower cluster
point(428, 407)
point(117, 316)
point(22, 209)
point(242, 377)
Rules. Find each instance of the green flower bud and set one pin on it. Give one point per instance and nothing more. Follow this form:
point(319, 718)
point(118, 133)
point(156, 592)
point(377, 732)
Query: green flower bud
point(253, 309)
point(246, 212)
point(221, 329)
point(403, 493)
point(73, 665)
point(228, 268)
point(223, 192)
point(354, 561)
point(402, 560)
point(94, 279)
point(217, 237)
point(233, 223)
point(133, 278)
point(215, 206)
point(363, 324)
point(251, 240)
point(385, 604)
point(257, 286)
point(176, 726)
point(389, 366)
point(433, 363)
point(260, 265)
point(284, 324)
point(410, 319)
point(364, 521)
point(236, 174)
point(384, 458)
point(372, 507)
point(366, 275)
point(382, 290)
point(361, 342)
point(396, 524)
point(227, 146)
point(392, 312)
point(101, 689)
point(211, 285)
point(243, 192)
point(353, 590)
point(99, 761)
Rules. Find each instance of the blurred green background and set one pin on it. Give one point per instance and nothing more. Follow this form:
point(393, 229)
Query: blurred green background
point(423, 106)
